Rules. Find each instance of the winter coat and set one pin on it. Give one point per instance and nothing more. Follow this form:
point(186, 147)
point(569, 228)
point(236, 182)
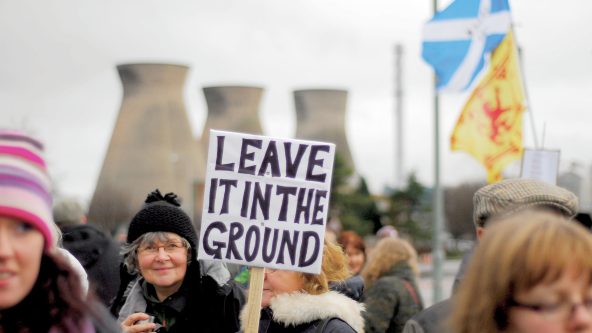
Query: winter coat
point(202, 303)
point(392, 300)
point(98, 254)
point(352, 287)
point(303, 313)
point(99, 321)
point(432, 319)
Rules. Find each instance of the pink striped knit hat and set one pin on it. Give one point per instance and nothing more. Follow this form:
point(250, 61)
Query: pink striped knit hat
point(25, 187)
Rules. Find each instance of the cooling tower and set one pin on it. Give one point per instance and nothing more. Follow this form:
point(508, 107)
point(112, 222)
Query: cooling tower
point(232, 108)
point(151, 147)
point(320, 115)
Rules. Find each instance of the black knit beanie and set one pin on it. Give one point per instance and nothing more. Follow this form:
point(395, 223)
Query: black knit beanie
point(163, 214)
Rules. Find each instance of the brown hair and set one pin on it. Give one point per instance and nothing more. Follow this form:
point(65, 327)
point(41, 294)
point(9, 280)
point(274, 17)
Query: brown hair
point(387, 253)
point(351, 238)
point(334, 268)
point(57, 300)
point(515, 255)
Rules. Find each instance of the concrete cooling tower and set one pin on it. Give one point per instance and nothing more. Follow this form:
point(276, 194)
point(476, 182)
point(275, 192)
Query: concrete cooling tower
point(320, 115)
point(232, 108)
point(151, 147)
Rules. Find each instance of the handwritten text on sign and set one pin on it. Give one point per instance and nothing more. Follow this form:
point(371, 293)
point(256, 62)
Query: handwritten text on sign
point(266, 201)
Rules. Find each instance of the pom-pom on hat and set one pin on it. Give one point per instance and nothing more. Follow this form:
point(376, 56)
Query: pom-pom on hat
point(162, 213)
point(25, 186)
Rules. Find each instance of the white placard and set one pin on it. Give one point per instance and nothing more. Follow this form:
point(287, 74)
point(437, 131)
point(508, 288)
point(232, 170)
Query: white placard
point(266, 201)
point(540, 164)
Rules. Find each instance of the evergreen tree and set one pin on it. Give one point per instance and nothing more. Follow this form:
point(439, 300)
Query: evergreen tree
point(409, 210)
point(352, 204)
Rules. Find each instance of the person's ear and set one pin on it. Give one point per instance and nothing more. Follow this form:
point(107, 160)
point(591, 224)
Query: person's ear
point(480, 231)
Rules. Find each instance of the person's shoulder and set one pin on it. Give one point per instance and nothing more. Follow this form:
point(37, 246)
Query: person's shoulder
point(352, 287)
point(337, 325)
point(439, 309)
point(388, 284)
point(214, 269)
point(102, 320)
point(430, 319)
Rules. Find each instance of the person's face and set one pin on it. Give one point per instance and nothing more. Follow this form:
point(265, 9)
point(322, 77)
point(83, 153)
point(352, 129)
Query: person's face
point(163, 264)
point(562, 306)
point(278, 282)
point(21, 249)
point(355, 259)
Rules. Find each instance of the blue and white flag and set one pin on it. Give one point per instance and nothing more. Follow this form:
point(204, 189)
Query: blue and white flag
point(457, 39)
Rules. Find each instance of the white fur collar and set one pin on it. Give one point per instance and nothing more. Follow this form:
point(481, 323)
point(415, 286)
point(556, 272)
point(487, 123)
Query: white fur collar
point(299, 308)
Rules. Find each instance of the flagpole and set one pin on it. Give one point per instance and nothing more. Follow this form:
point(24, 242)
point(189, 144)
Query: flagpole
point(526, 97)
point(437, 250)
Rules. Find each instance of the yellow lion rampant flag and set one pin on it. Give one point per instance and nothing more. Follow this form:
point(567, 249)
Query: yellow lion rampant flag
point(490, 125)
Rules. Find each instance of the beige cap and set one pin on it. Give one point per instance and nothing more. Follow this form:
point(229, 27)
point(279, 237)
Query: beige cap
point(512, 195)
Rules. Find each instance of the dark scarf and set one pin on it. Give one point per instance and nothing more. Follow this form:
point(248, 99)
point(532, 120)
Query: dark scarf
point(169, 310)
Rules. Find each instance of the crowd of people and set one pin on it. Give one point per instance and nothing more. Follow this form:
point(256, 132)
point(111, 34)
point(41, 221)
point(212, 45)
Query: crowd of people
point(529, 272)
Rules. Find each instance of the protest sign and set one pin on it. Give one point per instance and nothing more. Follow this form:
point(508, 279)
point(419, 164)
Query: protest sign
point(540, 164)
point(266, 201)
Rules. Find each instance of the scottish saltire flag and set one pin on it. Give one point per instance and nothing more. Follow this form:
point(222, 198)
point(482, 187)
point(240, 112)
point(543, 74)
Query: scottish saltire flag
point(457, 39)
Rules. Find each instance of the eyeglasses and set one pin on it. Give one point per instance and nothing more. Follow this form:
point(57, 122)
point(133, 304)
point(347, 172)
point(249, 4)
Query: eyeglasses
point(556, 311)
point(169, 247)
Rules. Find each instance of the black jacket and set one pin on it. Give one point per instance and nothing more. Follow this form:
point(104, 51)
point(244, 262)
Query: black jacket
point(209, 307)
point(98, 254)
point(352, 287)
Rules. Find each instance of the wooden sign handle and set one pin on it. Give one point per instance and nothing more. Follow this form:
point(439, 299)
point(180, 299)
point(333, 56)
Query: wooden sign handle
point(254, 299)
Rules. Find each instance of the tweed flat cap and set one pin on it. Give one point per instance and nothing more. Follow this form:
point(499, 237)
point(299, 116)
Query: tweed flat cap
point(512, 195)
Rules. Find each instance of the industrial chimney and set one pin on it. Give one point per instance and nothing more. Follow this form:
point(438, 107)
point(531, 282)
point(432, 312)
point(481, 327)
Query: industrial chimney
point(320, 115)
point(151, 147)
point(230, 108)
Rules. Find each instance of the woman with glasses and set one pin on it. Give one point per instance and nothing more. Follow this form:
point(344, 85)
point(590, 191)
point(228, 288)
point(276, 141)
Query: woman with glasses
point(165, 288)
point(532, 272)
point(301, 302)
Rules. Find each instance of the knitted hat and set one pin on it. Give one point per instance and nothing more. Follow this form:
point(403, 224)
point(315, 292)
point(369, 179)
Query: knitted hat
point(25, 187)
point(163, 214)
point(511, 195)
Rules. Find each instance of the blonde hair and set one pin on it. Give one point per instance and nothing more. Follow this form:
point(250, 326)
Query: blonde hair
point(516, 254)
point(387, 253)
point(333, 269)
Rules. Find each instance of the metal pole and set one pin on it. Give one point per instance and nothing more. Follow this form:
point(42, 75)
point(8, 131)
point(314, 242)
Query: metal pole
point(437, 250)
point(528, 106)
point(399, 176)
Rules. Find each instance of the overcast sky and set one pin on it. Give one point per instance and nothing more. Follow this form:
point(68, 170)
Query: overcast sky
point(58, 78)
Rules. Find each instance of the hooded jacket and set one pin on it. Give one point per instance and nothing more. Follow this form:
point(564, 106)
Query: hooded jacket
point(302, 312)
point(392, 300)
